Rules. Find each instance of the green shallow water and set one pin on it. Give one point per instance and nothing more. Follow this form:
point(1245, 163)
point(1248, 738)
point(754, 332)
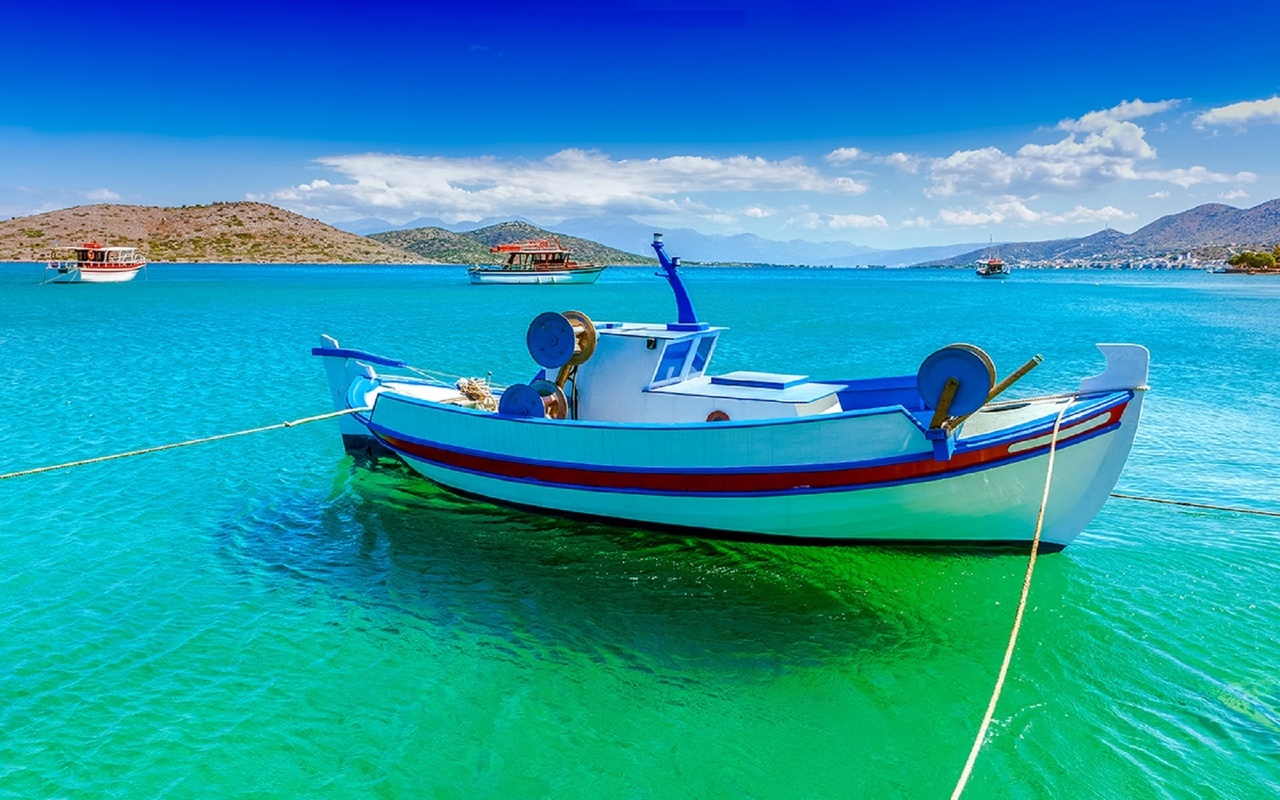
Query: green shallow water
point(265, 617)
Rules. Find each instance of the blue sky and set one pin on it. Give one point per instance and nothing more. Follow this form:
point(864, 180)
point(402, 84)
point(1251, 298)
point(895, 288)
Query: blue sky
point(890, 125)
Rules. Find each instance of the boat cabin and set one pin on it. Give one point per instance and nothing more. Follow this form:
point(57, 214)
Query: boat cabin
point(91, 253)
point(650, 373)
point(539, 254)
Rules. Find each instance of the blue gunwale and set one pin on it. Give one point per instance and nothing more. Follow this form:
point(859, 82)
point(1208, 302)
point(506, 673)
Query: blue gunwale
point(797, 490)
point(1097, 400)
point(359, 355)
point(381, 431)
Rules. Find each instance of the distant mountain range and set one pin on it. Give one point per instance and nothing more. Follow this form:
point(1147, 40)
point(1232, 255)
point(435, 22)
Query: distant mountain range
point(629, 236)
point(472, 247)
point(367, 226)
point(1211, 231)
point(255, 232)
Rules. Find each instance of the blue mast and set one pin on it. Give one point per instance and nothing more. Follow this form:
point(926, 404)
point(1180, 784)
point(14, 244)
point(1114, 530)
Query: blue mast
point(687, 318)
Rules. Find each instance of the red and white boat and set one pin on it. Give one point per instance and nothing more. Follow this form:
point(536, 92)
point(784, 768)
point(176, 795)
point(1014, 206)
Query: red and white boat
point(625, 421)
point(93, 263)
point(534, 261)
point(991, 266)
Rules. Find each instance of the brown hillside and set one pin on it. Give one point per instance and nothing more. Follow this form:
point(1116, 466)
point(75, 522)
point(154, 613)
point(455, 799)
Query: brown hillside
point(218, 233)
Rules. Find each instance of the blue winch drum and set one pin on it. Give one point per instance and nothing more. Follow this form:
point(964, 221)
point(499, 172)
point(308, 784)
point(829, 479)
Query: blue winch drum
point(521, 400)
point(971, 367)
point(551, 340)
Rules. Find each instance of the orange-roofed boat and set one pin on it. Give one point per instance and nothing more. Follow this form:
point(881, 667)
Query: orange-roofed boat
point(534, 261)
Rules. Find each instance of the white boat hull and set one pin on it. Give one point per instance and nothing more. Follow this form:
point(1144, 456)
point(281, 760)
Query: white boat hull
point(95, 275)
point(994, 506)
point(862, 476)
point(877, 499)
point(535, 276)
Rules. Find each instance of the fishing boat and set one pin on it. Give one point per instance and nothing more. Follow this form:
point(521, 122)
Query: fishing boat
point(992, 267)
point(534, 261)
point(93, 263)
point(625, 421)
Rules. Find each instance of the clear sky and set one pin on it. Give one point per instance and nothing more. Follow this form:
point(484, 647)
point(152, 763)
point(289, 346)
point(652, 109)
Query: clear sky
point(883, 124)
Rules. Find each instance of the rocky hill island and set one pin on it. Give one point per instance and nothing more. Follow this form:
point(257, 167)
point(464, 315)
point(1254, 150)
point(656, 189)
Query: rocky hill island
point(247, 232)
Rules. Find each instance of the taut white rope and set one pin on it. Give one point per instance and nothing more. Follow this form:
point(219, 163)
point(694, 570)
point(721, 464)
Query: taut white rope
point(1017, 619)
point(158, 448)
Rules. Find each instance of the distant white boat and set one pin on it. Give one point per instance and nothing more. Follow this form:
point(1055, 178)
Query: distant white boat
point(93, 263)
point(535, 261)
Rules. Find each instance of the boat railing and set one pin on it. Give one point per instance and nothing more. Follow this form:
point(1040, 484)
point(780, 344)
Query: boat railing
point(109, 258)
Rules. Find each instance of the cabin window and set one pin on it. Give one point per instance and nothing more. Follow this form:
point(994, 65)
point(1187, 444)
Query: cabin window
point(701, 356)
point(671, 367)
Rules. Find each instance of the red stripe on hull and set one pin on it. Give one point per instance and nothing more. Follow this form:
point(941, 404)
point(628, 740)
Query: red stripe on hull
point(731, 482)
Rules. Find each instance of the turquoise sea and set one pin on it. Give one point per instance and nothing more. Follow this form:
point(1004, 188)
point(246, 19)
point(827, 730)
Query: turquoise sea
point(265, 617)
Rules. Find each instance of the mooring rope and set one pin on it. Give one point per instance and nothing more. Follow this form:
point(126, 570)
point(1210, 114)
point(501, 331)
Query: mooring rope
point(450, 379)
point(1186, 504)
point(1017, 619)
point(144, 451)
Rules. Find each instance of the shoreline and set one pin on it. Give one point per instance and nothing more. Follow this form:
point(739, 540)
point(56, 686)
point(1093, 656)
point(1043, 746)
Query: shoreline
point(698, 266)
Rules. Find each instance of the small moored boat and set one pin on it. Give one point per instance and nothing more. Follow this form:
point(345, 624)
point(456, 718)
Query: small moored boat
point(992, 267)
point(625, 421)
point(93, 263)
point(534, 261)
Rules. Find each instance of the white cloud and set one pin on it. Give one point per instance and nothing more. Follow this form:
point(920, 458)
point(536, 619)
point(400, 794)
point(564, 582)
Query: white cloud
point(998, 212)
point(1101, 147)
point(906, 163)
point(1194, 175)
point(101, 195)
point(1239, 115)
point(1160, 195)
point(1069, 165)
point(1235, 194)
point(812, 221)
point(843, 155)
point(563, 184)
point(851, 186)
point(756, 212)
point(808, 221)
point(1127, 110)
point(1011, 211)
point(918, 222)
point(966, 217)
point(1107, 214)
point(840, 221)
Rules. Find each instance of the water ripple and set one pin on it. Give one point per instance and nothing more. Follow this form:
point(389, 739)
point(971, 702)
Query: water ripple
point(266, 617)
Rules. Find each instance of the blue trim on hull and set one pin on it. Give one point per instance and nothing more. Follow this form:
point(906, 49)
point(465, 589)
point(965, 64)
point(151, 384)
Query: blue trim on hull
point(1011, 459)
point(359, 355)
